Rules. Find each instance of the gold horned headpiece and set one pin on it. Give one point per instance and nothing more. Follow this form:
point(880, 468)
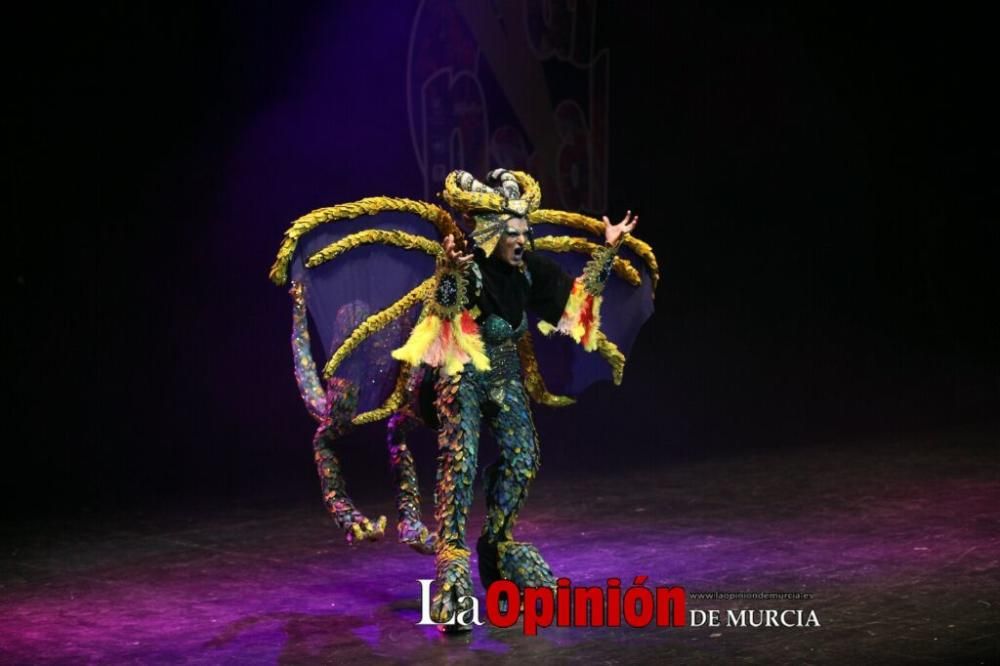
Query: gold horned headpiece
point(504, 195)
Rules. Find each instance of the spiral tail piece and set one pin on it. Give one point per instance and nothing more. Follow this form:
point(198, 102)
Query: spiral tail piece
point(410, 529)
point(306, 376)
point(334, 409)
point(342, 398)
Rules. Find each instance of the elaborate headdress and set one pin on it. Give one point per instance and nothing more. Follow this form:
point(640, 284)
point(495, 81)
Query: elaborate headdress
point(504, 195)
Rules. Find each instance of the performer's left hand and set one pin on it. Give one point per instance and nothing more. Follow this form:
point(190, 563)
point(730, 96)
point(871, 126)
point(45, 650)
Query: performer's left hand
point(613, 233)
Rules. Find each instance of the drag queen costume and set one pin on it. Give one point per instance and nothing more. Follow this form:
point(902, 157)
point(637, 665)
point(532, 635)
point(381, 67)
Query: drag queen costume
point(434, 329)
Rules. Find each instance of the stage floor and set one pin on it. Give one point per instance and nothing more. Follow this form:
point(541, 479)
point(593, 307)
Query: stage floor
point(897, 541)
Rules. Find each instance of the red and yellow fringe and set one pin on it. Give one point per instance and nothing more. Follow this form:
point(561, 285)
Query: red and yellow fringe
point(447, 344)
point(581, 318)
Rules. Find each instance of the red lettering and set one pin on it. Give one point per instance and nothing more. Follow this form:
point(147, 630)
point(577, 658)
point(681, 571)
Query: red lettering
point(594, 596)
point(562, 603)
point(667, 597)
point(497, 617)
point(534, 616)
point(614, 616)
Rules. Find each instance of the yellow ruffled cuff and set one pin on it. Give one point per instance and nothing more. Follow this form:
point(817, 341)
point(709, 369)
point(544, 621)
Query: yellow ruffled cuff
point(581, 318)
point(447, 336)
point(445, 343)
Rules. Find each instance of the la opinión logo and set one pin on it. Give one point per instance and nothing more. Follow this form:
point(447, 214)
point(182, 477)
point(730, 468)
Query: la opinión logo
point(568, 606)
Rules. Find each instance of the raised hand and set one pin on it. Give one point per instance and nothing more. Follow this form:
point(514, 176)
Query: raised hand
point(453, 254)
point(613, 233)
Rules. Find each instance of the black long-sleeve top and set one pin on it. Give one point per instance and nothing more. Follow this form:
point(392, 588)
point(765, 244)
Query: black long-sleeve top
point(507, 291)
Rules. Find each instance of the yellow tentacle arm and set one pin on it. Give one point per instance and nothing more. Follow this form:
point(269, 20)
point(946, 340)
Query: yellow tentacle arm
point(401, 239)
point(596, 227)
point(348, 211)
point(377, 322)
point(533, 381)
point(395, 400)
point(615, 358)
point(622, 267)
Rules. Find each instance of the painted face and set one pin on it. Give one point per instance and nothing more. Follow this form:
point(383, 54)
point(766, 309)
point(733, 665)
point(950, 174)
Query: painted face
point(513, 241)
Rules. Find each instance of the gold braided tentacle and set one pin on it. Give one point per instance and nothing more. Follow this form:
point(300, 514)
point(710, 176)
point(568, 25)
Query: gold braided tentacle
point(623, 267)
point(376, 323)
point(596, 227)
point(402, 239)
point(613, 355)
point(436, 215)
point(395, 400)
point(533, 381)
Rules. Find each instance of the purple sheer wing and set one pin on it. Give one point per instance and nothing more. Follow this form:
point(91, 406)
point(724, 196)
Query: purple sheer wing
point(343, 292)
point(566, 368)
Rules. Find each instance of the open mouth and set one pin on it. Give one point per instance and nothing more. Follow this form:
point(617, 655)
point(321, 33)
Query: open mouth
point(518, 251)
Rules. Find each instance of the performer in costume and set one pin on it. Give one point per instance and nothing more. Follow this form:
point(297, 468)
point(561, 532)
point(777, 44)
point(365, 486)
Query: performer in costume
point(469, 354)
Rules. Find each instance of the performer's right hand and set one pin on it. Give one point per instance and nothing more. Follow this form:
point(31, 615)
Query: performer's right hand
point(453, 254)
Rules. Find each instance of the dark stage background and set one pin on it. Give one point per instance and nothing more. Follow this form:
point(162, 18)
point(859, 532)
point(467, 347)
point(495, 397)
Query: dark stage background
point(819, 183)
